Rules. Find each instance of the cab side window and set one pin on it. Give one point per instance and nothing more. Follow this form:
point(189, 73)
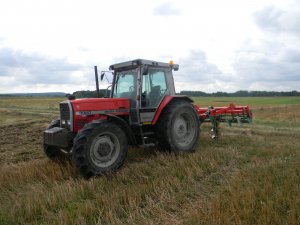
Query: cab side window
point(154, 88)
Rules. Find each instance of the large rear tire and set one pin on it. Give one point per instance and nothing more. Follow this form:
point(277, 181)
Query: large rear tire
point(100, 147)
point(54, 152)
point(178, 127)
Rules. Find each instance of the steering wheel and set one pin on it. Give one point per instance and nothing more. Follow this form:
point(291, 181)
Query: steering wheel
point(163, 91)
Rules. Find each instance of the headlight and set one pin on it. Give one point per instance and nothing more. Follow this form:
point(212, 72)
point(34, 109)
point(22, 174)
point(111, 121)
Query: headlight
point(66, 122)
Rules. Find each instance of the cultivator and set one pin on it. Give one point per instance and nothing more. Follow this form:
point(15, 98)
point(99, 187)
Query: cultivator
point(229, 115)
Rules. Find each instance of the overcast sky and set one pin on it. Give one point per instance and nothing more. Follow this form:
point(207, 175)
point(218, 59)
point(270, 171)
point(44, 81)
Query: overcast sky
point(52, 45)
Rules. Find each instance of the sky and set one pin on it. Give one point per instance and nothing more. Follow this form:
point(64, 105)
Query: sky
point(52, 45)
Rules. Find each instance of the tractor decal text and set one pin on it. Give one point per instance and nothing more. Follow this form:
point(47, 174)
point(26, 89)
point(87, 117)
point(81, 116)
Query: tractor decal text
point(87, 113)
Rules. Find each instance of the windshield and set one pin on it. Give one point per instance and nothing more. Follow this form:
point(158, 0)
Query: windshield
point(125, 84)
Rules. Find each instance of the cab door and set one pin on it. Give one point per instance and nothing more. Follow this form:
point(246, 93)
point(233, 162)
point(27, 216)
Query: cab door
point(154, 88)
point(126, 86)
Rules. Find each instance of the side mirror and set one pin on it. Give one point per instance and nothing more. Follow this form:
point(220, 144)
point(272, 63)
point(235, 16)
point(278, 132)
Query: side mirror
point(175, 67)
point(145, 70)
point(102, 75)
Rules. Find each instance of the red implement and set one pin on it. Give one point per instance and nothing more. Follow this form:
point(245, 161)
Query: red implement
point(230, 114)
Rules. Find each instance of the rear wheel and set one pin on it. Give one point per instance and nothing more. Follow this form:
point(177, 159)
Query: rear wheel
point(54, 152)
point(178, 127)
point(99, 147)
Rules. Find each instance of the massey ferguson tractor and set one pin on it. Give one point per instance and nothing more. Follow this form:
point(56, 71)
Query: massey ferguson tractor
point(142, 110)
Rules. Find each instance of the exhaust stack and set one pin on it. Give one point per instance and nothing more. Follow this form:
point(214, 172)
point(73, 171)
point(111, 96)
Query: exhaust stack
point(97, 82)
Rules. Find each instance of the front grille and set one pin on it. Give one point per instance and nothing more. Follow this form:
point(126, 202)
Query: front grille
point(65, 115)
point(64, 111)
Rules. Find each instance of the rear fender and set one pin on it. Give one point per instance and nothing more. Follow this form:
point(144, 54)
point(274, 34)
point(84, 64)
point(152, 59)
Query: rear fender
point(166, 101)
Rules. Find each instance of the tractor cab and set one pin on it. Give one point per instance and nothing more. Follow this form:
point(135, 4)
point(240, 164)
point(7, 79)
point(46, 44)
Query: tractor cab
point(145, 83)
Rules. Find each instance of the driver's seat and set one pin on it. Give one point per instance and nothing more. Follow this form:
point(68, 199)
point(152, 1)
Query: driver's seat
point(154, 96)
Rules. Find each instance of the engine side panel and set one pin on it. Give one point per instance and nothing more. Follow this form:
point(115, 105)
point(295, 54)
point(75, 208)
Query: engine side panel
point(87, 110)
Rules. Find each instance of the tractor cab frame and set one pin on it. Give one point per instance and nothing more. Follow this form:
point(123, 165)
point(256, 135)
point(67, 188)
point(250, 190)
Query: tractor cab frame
point(145, 83)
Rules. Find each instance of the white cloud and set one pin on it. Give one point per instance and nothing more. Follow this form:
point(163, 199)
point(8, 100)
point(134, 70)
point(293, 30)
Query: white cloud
point(166, 9)
point(19, 68)
point(278, 21)
point(271, 62)
point(220, 45)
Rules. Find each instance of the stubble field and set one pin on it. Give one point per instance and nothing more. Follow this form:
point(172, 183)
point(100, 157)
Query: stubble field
point(250, 175)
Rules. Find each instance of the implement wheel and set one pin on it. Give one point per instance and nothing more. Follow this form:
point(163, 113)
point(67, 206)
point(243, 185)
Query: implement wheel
point(100, 147)
point(178, 127)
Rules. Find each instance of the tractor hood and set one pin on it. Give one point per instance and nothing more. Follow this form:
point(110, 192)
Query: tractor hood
point(92, 106)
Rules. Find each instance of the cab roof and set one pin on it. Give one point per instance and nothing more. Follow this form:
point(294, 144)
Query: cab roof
point(140, 62)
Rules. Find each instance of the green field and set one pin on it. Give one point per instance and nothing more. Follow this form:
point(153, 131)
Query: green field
point(250, 175)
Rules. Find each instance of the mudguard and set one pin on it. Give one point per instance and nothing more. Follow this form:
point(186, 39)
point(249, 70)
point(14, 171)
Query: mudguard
point(165, 102)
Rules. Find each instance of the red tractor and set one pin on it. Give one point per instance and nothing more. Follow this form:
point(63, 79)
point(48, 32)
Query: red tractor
point(142, 110)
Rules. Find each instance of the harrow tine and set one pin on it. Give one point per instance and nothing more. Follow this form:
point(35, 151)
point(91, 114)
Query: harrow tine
point(239, 121)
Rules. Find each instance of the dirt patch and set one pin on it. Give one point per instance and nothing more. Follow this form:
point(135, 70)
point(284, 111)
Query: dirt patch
point(21, 142)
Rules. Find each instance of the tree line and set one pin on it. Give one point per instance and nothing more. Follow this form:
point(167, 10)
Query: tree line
point(92, 94)
point(241, 94)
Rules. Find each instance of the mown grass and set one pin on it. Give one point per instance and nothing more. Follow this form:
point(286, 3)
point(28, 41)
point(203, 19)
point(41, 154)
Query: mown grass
point(250, 175)
point(25, 109)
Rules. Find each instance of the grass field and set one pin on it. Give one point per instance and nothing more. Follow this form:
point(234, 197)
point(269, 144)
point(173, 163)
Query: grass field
point(250, 175)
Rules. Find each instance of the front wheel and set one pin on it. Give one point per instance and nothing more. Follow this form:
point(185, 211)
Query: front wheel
point(100, 147)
